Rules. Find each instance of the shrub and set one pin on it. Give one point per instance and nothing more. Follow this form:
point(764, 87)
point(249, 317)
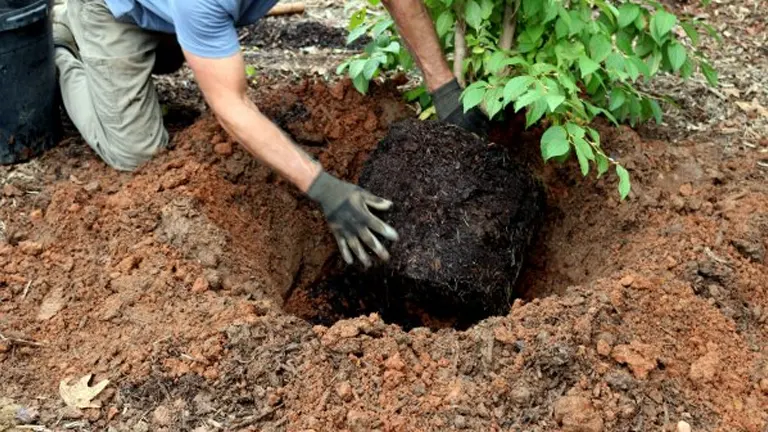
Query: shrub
point(564, 61)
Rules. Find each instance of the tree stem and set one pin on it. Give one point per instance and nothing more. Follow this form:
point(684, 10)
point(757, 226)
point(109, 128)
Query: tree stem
point(509, 24)
point(460, 50)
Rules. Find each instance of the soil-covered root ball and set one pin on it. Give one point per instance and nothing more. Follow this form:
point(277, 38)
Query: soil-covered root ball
point(465, 213)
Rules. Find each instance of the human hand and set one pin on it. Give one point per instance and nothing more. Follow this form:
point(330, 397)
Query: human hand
point(346, 206)
point(449, 109)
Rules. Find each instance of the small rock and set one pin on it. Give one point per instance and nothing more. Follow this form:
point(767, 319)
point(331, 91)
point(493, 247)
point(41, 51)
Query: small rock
point(92, 187)
point(395, 362)
point(162, 416)
point(686, 190)
point(764, 385)
point(140, 426)
point(10, 190)
point(213, 277)
point(358, 421)
point(200, 285)
point(627, 280)
point(127, 264)
point(460, 421)
point(603, 348)
point(36, 215)
point(576, 414)
point(631, 356)
point(620, 380)
point(753, 250)
point(5, 346)
point(71, 413)
point(704, 369)
point(683, 426)
point(274, 399)
point(31, 248)
point(520, 394)
point(223, 148)
point(203, 404)
point(112, 412)
point(344, 390)
point(693, 204)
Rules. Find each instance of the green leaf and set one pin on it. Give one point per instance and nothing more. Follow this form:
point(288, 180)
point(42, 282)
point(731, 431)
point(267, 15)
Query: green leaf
point(618, 97)
point(357, 19)
point(624, 42)
point(709, 72)
point(628, 13)
point(528, 98)
point(691, 31)
point(561, 28)
point(493, 102)
point(602, 164)
point(473, 14)
point(473, 95)
point(640, 65)
point(495, 62)
point(250, 71)
point(342, 67)
point(532, 7)
point(360, 83)
point(599, 47)
point(413, 94)
point(614, 64)
point(393, 47)
point(371, 66)
point(655, 110)
point(487, 7)
point(516, 87)
point(632, 69)
point(380, 27)
point(661, 23)
point(554, 143)
point(575, 130)
point(624, 186)
point(356, 33)
point(444, 23)
point(677, 55)
point(554, 101)
point(687, 69)
point(653, 62)
point(581, 146)
point(535, 112)
point(356, 67)
point(587, 66)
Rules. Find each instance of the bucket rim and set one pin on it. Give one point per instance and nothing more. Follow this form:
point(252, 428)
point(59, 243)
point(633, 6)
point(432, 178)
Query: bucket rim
point(24, 16)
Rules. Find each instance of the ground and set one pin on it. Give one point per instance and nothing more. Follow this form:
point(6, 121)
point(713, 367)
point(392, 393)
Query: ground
point(188, 284)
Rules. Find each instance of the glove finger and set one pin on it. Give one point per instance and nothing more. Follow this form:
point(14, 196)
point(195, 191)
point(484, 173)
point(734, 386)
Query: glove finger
point(380, 227)
point(369, 239)
point(376, 202)
point(357, 248)
point(344, 248)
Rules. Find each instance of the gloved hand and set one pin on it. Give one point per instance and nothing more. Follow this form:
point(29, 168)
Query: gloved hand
point(346, 207)
point(449, 108)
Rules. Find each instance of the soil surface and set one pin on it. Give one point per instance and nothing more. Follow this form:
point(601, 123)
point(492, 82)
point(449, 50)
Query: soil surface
point(184, 283)
point(274, 33)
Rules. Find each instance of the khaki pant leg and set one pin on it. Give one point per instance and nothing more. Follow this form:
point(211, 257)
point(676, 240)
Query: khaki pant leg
point(108, 92)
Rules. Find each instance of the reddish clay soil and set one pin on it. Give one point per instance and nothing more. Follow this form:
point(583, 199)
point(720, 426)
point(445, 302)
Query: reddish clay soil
point(185, 284)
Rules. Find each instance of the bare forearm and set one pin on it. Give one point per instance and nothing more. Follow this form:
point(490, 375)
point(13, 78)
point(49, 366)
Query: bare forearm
point(265, 141)
point(415, 26)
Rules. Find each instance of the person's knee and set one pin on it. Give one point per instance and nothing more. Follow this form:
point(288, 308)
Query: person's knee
point(129, 154)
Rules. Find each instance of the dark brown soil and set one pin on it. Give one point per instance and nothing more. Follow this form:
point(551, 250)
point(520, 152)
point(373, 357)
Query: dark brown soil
point(277, 34)
point(466, 215)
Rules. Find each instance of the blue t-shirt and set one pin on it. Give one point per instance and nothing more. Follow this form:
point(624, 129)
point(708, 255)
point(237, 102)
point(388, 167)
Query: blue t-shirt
point(206, 28)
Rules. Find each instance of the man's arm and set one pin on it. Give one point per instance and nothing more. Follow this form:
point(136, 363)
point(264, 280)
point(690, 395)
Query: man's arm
point(346, 206)
point(415, 26)
point(224, 86)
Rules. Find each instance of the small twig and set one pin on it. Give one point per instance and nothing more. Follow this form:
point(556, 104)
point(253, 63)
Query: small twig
point(509, 24)
point(26, 290)
point(21, 341)
point(459, 51)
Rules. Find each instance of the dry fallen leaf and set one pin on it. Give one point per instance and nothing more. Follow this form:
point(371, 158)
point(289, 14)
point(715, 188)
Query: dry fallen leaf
point(754, 106)
point(52, 304)
point(79, 394)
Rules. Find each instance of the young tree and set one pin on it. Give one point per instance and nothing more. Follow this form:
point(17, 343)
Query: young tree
point(565, 61)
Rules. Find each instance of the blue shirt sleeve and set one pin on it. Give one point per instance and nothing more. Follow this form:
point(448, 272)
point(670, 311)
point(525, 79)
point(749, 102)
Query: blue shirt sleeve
point(205, 28)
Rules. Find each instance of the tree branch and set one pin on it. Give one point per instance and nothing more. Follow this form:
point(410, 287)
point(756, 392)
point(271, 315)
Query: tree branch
point(509, 24)
point(459, 50)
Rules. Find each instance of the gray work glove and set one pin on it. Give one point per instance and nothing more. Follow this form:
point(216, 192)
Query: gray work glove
point(450, 109)
point(346, 207)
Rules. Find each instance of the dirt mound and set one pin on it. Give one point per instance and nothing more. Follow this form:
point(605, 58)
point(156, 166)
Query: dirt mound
point(170, 283)
point(275, 34)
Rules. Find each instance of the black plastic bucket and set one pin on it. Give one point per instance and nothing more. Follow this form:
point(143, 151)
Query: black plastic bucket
point(29, 116)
